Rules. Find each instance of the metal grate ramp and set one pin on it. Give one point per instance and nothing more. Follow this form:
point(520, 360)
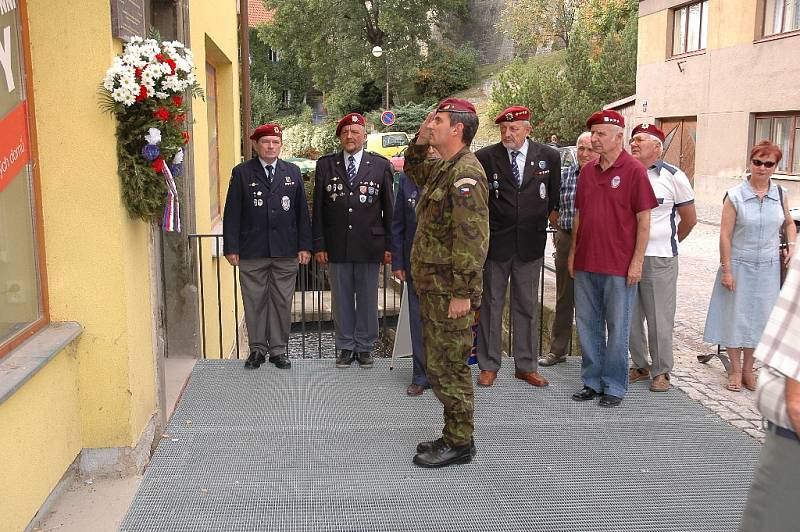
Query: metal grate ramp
point(320, 449)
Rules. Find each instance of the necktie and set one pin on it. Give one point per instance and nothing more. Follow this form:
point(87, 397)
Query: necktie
point(269, 173)
point(351, 170)
point(515, 168)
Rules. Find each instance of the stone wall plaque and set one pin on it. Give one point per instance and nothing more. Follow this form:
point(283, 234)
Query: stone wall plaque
point(127, 19)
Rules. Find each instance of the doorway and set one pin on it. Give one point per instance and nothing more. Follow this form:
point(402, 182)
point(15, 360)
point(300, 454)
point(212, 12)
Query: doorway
point(679, 144)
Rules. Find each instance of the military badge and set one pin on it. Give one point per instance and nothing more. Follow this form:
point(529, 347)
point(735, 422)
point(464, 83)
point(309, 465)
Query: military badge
point(363, 189)
point(369, 200)
point(509, 116)
point(615, 181)
point(465, 191)
point(288, 180)
point(542, 191)
point(329, 187)
point(543, 165)
point(286, 203)
point(259, 193)
point(362, 198)
point(372, 190)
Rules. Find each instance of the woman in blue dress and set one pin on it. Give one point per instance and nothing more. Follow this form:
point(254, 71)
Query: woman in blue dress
point(748, 280)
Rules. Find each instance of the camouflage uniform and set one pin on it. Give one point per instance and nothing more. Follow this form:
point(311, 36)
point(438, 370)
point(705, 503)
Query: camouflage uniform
point(447, 259)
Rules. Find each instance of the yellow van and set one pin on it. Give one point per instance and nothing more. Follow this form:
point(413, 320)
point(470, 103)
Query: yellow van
point(387, 144)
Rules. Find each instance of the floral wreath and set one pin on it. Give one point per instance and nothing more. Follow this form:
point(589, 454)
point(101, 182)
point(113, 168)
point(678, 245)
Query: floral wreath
point(144, 88)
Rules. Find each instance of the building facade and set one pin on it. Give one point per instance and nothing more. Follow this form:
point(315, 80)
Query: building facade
point(719, 76)
point(82, 304)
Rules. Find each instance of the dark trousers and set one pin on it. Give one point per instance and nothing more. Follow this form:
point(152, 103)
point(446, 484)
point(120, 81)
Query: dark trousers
point(565, 296)
point(354, 287)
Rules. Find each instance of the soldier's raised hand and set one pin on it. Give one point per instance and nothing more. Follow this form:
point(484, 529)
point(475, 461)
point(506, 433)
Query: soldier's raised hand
point(424, 133)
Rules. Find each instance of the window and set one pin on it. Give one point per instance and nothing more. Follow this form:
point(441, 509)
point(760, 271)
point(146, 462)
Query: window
point(22, 300)
point(781, 16)
point(213, 142)
point(784, 130)
point(286, 98)
point(273, 55)
point(690, 28)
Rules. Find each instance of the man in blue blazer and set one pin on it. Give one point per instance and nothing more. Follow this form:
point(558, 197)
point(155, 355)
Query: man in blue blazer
point(352, 235)
point(266, 233)
point(404, 225)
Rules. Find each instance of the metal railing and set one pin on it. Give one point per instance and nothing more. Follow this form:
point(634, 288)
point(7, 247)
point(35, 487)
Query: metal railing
point(312, 316)
point(311, 312)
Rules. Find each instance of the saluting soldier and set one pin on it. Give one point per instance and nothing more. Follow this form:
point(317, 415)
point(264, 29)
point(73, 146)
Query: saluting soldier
point(267, 232)
point(352, 235)
point(524, 181)
point(446, 262)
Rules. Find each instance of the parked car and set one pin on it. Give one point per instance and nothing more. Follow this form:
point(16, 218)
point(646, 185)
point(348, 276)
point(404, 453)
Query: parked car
point(387, 144)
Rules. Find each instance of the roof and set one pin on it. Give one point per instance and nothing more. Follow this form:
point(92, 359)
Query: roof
point(257, 14)
point(619, 104)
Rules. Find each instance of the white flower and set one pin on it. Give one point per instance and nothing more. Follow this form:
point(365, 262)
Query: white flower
point(178, 159)
point(153, 135)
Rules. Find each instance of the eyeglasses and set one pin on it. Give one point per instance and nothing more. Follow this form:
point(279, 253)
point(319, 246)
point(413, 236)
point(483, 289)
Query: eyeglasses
point(765, 164)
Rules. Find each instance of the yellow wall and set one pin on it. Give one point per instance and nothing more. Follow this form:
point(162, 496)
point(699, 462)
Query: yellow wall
point(39, 439)
point(214, 40)
point(652, 39)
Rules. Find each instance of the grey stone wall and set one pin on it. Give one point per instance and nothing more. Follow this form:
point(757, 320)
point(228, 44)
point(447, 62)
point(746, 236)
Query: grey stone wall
point(481, 30)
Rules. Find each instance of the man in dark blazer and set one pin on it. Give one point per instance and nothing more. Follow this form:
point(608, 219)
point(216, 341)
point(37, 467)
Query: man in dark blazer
point(524, 180)
point(404, 225)
point(352, 234)
point(266, 233)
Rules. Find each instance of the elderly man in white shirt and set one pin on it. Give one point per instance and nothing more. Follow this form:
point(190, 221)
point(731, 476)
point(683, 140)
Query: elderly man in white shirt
point(670, 222)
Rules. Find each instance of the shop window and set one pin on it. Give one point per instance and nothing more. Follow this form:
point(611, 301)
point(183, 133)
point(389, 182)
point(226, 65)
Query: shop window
point(781, 16)
point(690, 28)
point(784, 130)
point(22, 303)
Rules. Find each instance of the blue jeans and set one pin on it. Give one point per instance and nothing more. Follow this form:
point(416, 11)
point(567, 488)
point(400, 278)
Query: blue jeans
point(604, 303)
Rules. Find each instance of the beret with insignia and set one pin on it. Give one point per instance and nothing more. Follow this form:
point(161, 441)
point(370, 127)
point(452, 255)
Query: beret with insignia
point(606, 117)
point(514, 113)
point(267, 130)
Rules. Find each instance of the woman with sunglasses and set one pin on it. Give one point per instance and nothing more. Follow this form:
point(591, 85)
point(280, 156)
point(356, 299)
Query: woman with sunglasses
point(748, 280)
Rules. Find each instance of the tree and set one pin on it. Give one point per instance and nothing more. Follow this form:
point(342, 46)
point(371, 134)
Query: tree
point(598, 67)
point(264, 102)
point(277, 69)
point(445, 71)
point(534, 23)
point(333, 39)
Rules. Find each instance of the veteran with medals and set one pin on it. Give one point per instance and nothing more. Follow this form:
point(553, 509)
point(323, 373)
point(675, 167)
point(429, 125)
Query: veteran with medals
point(266, 233)
point(352, 221)
point(524, 183)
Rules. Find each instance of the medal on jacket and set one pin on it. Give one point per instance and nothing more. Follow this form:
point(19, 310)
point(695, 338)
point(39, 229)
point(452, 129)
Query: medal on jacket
point(496, 186)
point(542, 191)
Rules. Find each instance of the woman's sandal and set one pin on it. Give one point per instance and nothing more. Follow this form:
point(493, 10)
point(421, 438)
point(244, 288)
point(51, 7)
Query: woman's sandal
point(734, 381)
point(749, 380)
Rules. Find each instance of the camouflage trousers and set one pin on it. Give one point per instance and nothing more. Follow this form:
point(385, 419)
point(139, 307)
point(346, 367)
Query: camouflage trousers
point(447, 343)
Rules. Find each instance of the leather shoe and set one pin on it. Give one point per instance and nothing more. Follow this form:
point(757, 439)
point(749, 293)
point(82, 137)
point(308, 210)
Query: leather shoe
point(551, 359)
point(587, 394)
point(531, 377)
point(443, 455)
point(255, 360)
point(415, 389)
point(486, 378)
point(427, 446)
point(609, 400)
point(345, 358)
point(281, 361)
point(365, 360)
point(638, 374)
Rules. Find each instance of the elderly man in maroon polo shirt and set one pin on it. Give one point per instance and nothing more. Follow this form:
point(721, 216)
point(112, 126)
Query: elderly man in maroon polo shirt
point(611, 228)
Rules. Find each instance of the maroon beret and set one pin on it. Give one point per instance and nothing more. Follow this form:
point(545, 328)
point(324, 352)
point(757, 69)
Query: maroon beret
point(455, 105)
point(352, 118)
point(513, 113)
point(606, 117)
point(650, 129)
point(267, 130)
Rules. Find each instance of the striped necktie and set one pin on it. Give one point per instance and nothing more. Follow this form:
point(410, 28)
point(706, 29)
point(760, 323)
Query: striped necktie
point(515, 168)
point(269, 173)
point(351, 170)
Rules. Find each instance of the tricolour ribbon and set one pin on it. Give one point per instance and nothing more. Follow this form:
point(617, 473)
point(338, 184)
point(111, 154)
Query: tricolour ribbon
point(172, 207)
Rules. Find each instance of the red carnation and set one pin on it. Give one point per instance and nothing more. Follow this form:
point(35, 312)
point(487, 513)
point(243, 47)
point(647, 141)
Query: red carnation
point(177, 100)
point(164, 59)
point(138, 73)
point(142, 94)
point(158, 164)
point(162, 114)
point(180, 118)
point(185, 135)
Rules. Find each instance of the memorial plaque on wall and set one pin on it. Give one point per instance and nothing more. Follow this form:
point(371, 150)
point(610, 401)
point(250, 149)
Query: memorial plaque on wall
point(127, 19)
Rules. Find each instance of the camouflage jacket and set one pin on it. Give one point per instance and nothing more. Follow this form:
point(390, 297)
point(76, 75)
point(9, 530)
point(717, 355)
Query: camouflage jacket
point(452, 236)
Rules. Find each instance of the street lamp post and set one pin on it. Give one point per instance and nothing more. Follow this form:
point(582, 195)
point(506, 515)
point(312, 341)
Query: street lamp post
point(377, 51)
